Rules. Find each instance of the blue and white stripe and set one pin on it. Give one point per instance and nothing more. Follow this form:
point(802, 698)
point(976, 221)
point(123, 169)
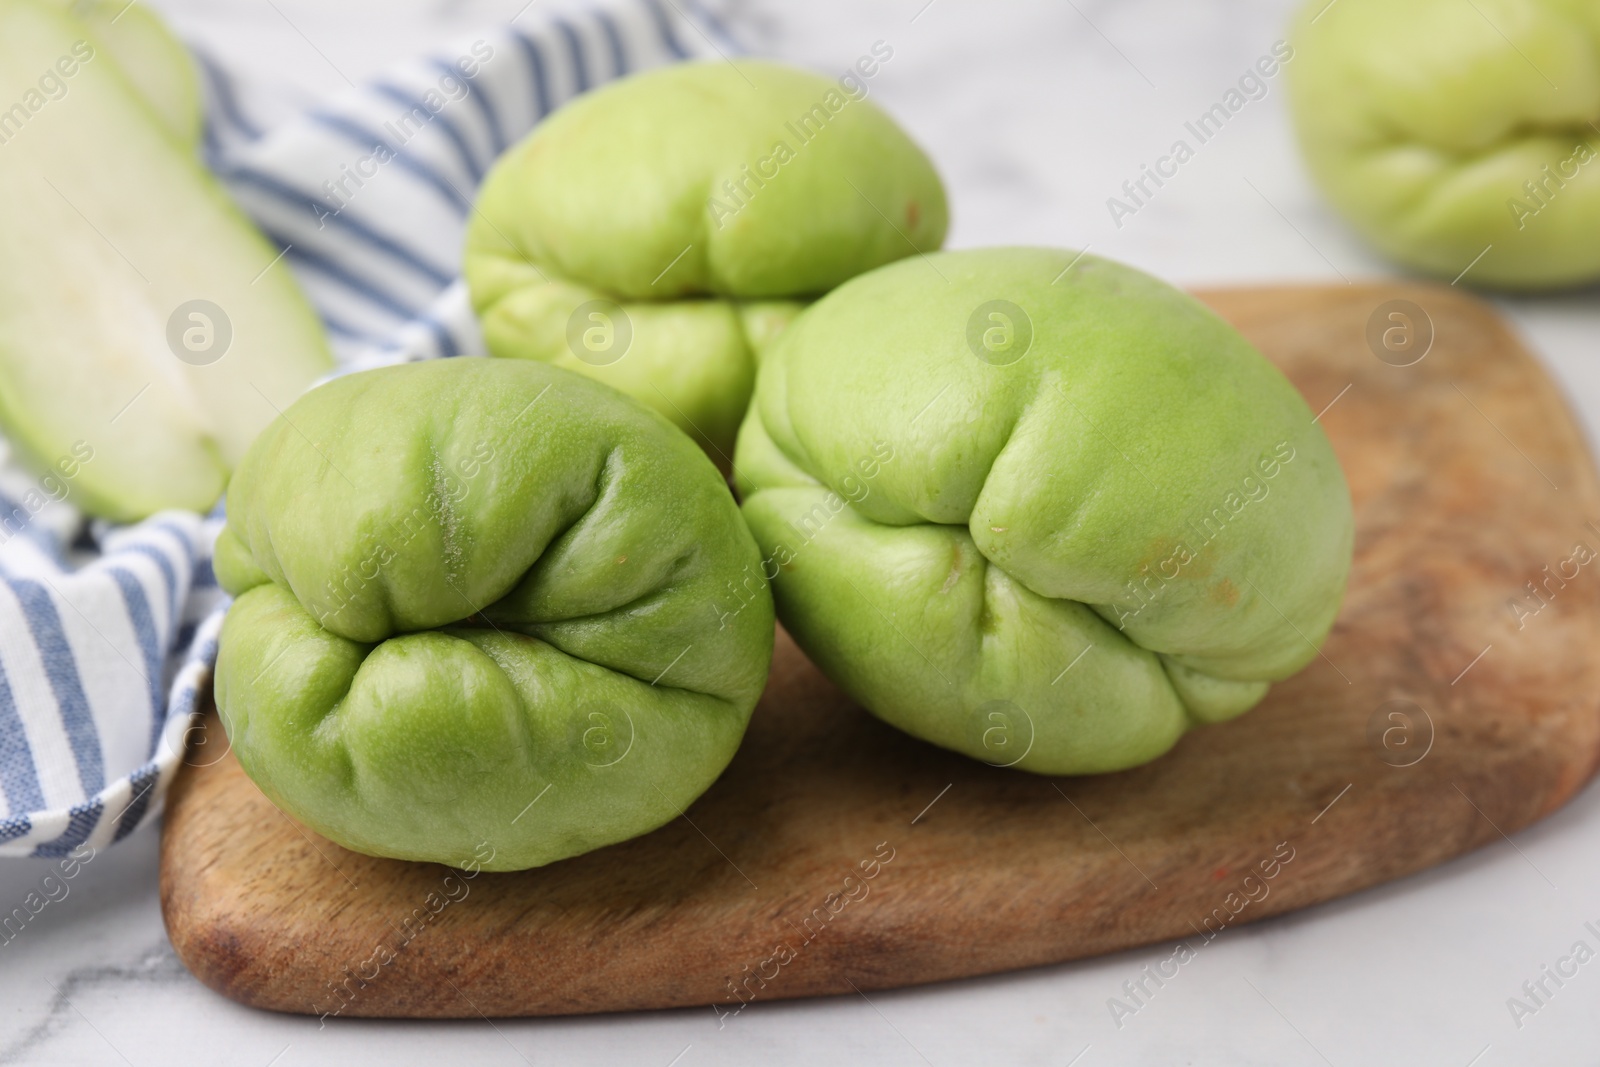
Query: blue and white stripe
point(102, 661)
point(378, 255)
point(108, 634)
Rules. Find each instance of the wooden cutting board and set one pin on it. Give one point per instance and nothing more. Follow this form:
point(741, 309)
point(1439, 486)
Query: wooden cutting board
point(838, 855)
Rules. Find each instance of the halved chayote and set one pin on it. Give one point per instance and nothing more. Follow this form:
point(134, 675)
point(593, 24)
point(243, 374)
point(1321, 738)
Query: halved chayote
point(144, 341)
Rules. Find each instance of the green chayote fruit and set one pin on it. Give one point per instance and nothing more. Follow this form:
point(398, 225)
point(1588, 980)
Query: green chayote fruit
point(153, 59)
point(656, 233)
point(481, 603)
point(1449, 130)
point(1041, 509)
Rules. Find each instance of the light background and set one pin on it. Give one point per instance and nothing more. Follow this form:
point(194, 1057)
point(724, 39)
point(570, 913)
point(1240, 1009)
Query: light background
point(1035, 113)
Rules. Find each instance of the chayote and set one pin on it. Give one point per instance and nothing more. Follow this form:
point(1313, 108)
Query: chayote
point(478, 604)
point(656, 233)
point(1459, 137)
point(1040, 508)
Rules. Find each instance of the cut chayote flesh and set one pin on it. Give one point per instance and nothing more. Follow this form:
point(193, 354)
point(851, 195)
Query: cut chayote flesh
point(148, 331)
point(1462, 138)
point(155, 62)
point(1039, 508)
point(481, 602)
point(656, 233)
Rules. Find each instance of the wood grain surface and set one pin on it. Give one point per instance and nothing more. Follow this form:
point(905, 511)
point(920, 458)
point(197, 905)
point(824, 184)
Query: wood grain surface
point(837, 854)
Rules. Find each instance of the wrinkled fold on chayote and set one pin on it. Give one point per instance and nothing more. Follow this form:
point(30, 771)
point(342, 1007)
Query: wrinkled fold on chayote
point(656, 233)
point(1461, 138)
point(481, 602)
point(1040, 508)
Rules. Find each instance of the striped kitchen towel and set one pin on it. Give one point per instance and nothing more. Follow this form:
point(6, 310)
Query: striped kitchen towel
point(108, 634)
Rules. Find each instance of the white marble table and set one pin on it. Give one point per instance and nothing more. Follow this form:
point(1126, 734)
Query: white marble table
point(1036, 114)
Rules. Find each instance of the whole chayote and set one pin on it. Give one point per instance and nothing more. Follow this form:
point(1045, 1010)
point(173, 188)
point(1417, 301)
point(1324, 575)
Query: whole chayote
point(1040, 508)
point(656, 233)
point(1459, 136)
point(478, 605)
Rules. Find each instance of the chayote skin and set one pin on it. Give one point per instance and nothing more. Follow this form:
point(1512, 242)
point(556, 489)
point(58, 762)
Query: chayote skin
point(699, 204)
point(1040, 509)
point(470, 586)
point(1447, 130)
